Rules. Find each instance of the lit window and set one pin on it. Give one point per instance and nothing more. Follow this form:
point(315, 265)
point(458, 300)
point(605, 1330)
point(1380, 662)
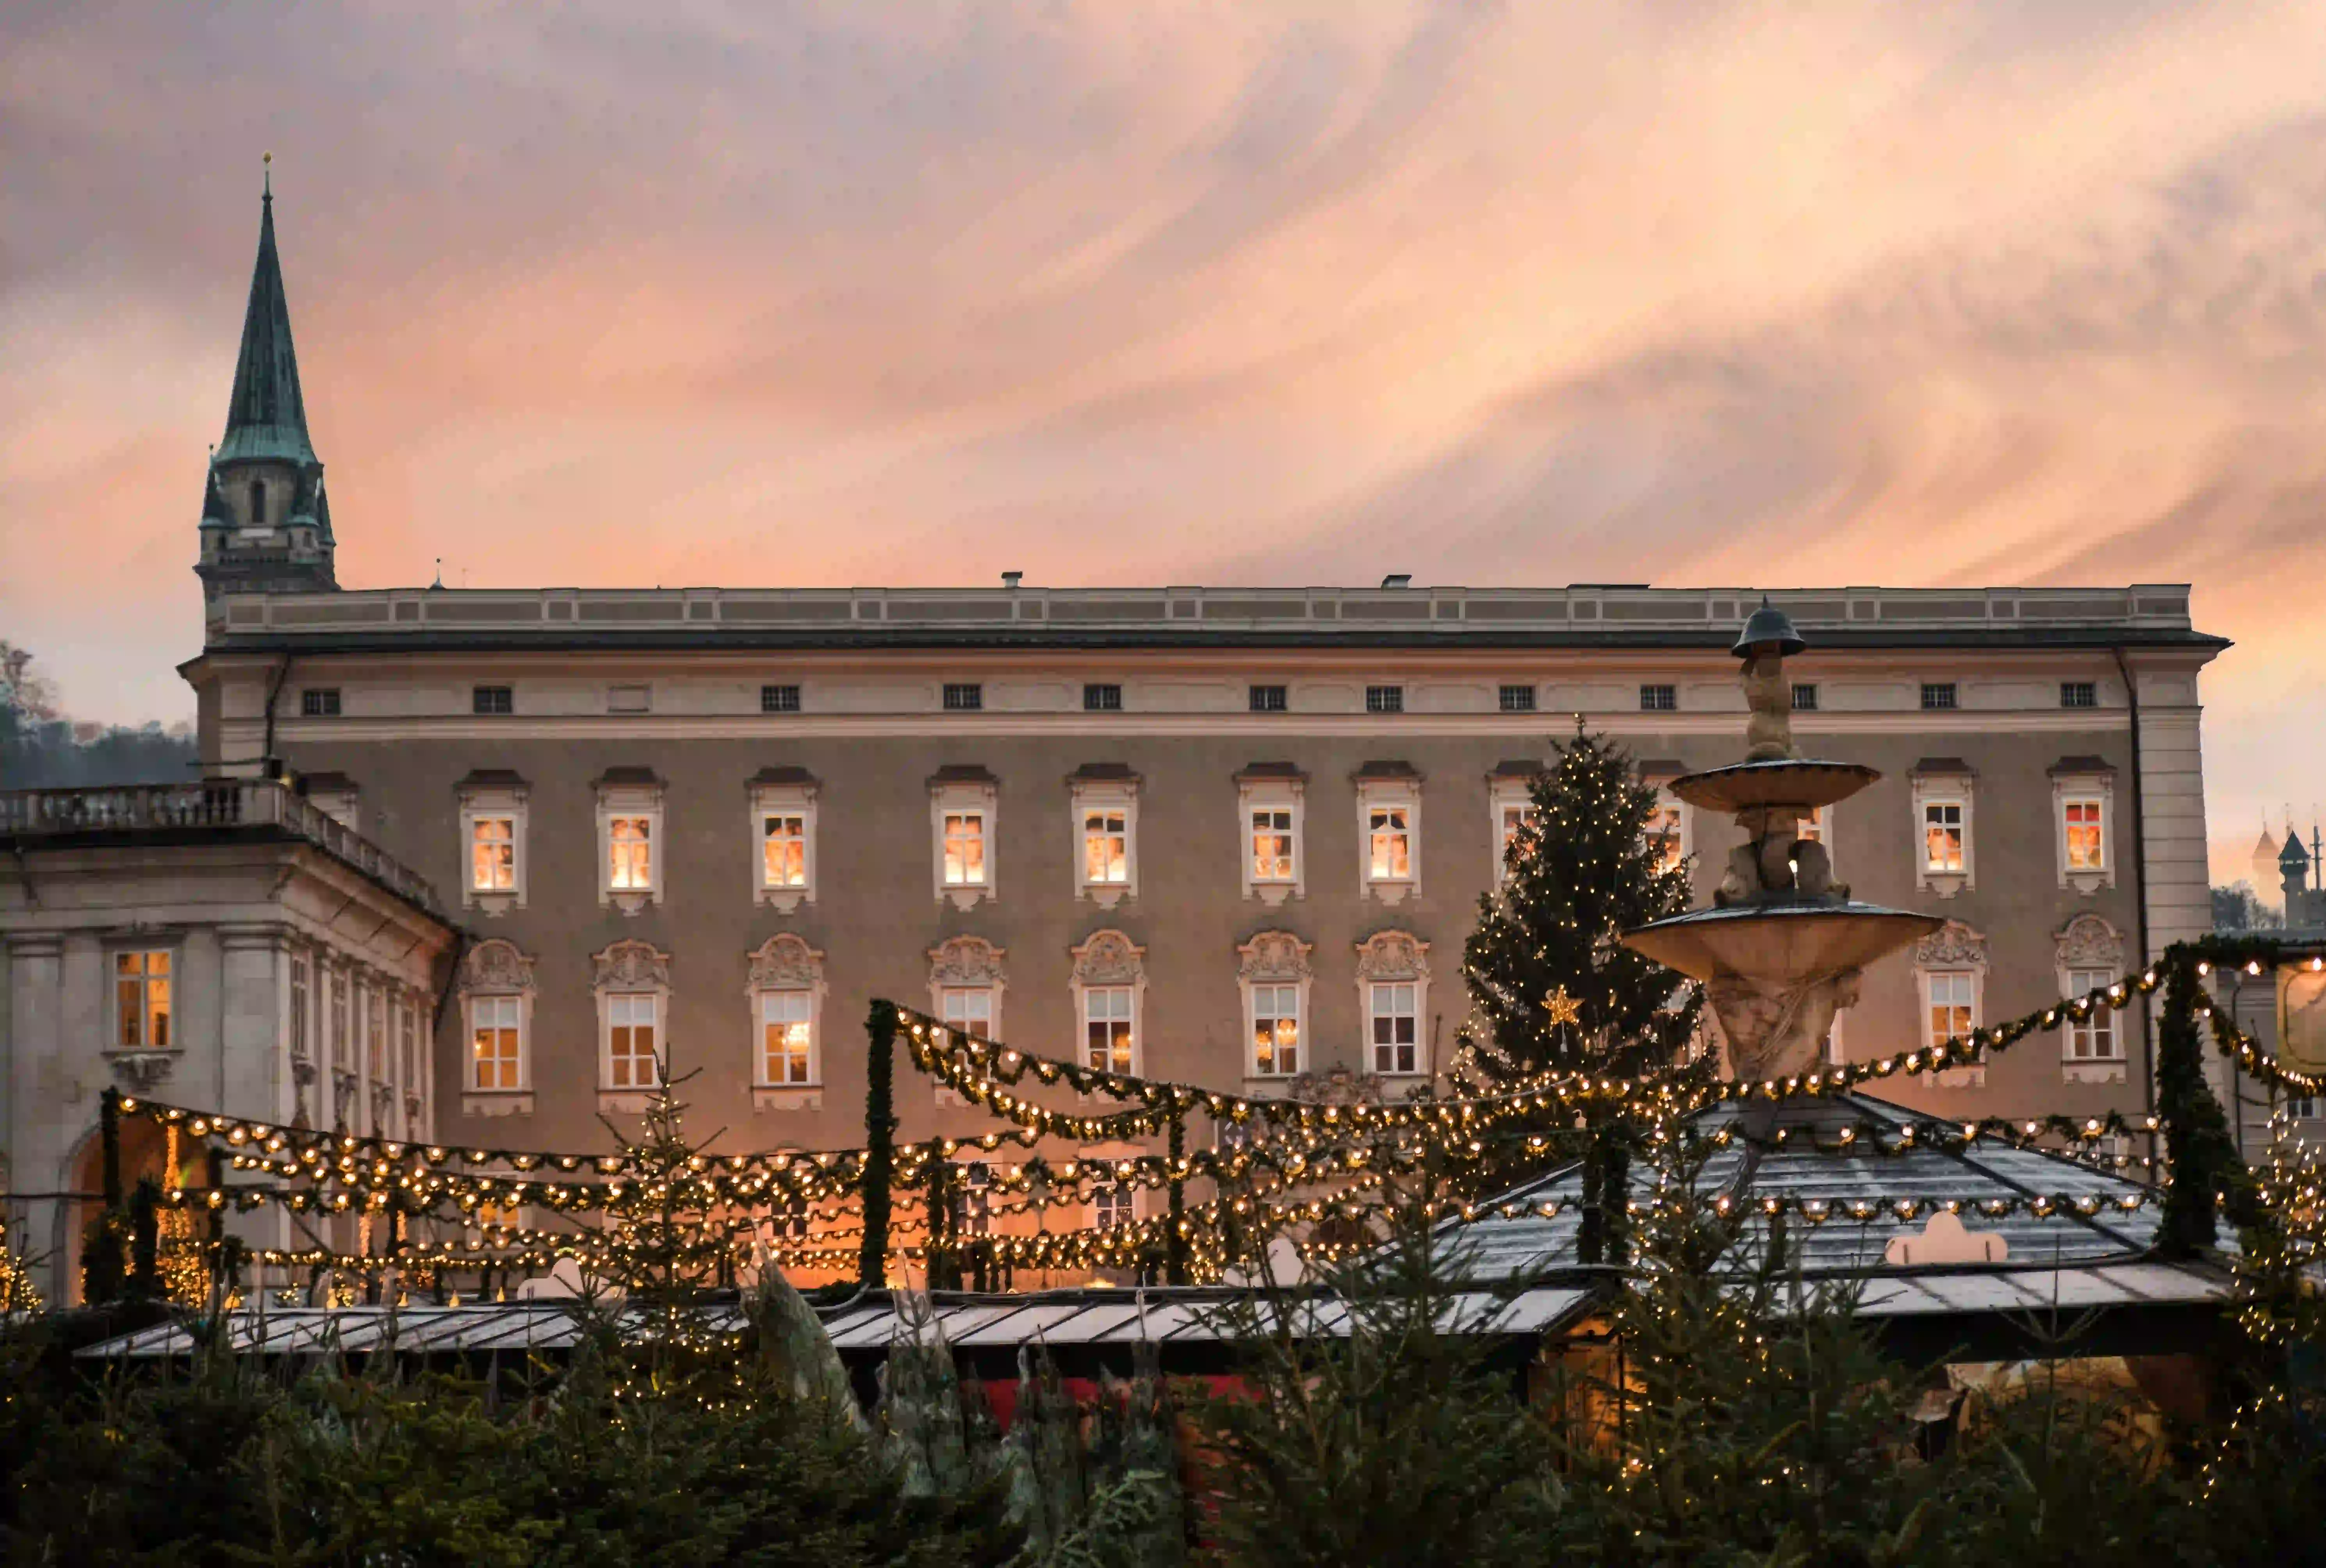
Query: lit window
point(497, 1043)
point(1665, 836)
point(1816, 828)
point(1390, 843)
point(783, 850)
point(1113, 1206)
point(1954, 1005)
point(492, 854)
point(1385, 699)
point(969, 1010)
point(2081, 820)
point(1275, 1030)
point(629, 867)
point(1942, 836)
point(141, 1000)
point(1106, 1028)
point(1659, 699)
point(632, 1029)
point(1106, 847)
point(2094, 1039)
point(1272, 844)
point(973, 1200)
point(965, 850)
point(1518, 699)
point(1396, 1043)
point(787, 1037)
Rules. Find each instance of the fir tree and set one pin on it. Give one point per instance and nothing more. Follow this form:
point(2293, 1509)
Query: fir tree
point(1549, 985)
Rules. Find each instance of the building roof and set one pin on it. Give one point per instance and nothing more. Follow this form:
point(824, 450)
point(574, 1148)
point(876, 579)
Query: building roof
point(267, 418)
point(1582, 616)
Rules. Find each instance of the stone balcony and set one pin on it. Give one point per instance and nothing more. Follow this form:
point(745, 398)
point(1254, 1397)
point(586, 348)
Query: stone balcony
point(221, 809)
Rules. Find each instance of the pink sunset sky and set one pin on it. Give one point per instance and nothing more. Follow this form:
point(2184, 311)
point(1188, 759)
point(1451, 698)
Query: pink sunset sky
point(1193, 292)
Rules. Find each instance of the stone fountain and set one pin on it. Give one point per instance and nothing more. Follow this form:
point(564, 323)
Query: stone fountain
point(1782, 948)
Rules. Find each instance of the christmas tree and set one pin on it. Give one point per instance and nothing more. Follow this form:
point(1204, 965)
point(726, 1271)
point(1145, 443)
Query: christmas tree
point(1549, 985)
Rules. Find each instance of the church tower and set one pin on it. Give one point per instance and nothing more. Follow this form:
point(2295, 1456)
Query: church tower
point(266, 522)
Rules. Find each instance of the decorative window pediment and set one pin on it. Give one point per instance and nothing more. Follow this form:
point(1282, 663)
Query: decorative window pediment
point(2090, 955)
point(1953, 946)
point(1951, 973)
point(966, 981)
point(1274, 975)
point(1110, 986)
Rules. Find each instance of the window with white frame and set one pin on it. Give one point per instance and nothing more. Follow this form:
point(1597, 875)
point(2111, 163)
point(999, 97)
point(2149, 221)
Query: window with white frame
point(1105, 812)
point(1113, 1206)
point(1395, 1028)
point(965, 986)
point(1667, 829)
point(1946, 857)
point(2083, 795)
point(782, 836)
point(1106, 846)
point(144, 1006)
point(496, 1044)
point(1275, 1030)
point(962, 801)
point(1389, 822)
point(787, 991)
point(973, 1199)
point(1107, 1016)
point(2302, 1108)
point(633, 986)
point(633, 1039)
point(969, 1010)
point(1275, 975)
point(492, 841)
point(1509, 798)
point(1109, 977)
point(2090, 957)
point(1953, 996)
point(1392, 996)
point(496, 988)
point(787, 1037)
point(1950, 974)
point(965, 849)
point(2092, 1038)
point(1270, 805)
point(630, 838)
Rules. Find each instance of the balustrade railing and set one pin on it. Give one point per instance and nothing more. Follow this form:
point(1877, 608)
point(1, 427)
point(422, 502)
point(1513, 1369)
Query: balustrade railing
point(216, 803)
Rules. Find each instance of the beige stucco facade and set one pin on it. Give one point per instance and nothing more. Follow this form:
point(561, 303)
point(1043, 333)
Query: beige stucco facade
point(873, 756)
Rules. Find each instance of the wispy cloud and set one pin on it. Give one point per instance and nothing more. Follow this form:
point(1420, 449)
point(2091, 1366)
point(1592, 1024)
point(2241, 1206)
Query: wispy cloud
point(821, 292)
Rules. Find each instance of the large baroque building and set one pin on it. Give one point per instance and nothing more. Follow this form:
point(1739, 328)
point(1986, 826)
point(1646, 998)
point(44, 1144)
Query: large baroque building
point(1232, 835)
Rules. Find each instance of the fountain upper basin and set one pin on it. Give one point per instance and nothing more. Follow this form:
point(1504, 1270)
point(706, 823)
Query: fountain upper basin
point(1780, 940)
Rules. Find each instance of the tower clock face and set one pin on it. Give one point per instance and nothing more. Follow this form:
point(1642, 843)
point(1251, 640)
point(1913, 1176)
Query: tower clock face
point(2302, 1020)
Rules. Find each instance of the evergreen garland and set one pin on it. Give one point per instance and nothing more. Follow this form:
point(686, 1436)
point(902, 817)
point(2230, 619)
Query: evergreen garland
point(1582, 869)
point(879, 1140)
point(2207, 1169)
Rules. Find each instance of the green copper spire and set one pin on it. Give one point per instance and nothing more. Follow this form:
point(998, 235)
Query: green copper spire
point(267, 420)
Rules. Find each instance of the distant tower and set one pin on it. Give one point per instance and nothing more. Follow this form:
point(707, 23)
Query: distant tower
point(2264, 861)
point(266, 523)
point(2294, 873)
